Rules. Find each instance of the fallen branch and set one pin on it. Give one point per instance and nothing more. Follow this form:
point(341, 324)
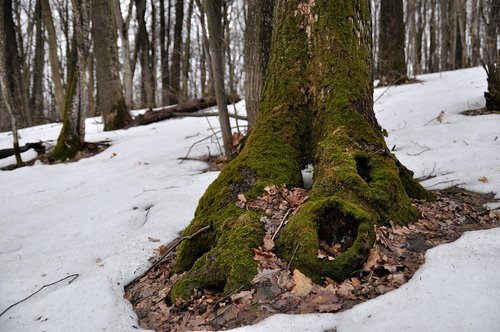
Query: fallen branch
point(202, 115)
point(73, 276)
point(160, 114)
point(38, 147)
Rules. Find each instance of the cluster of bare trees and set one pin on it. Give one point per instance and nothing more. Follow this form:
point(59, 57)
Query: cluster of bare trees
point(66, 60)
point(70, 59)
point(436, 35)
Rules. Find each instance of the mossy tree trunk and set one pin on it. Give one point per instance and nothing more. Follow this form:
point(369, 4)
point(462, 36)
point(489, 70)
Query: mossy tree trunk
point(316, 108)
point(72, 134)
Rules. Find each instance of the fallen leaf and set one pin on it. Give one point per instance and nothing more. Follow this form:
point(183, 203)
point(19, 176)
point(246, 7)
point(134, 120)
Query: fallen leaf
point(329, 307)
point(483, 179)
point(372, 259)
point(303, 284)
point(268, 243)
point(113, 155)
point(345, 290)
point(242, 198)
point(152, 239)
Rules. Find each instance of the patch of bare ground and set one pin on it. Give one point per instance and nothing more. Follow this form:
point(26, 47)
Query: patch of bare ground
point(398, 253)
point(480, 111)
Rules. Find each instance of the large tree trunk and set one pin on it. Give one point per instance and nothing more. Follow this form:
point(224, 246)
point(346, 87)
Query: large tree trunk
point(110, 98)
point(316, 108)
point(258, 33)
point(392, 64)
point(72, 134)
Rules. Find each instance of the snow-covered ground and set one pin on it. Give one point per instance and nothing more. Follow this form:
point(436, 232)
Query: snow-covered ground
point(97, 217)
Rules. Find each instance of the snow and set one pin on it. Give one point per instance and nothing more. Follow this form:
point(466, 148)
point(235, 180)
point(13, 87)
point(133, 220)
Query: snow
point(94, 218)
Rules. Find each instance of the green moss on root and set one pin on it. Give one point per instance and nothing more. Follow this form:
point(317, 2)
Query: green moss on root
point(303, 233)
point(229, 264)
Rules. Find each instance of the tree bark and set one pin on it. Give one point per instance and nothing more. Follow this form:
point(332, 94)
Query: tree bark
point(175, 68)
point(317, 107)
point(6, 97)
point(258, 33)
point(392, 63)
point(13, 66)
point(143, 44)
point(492, 62)
point(37, 99)
point(110, 98)
point(187, 53)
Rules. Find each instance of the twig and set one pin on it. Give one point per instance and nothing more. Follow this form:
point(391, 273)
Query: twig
point(202, 115)
point(197, 142)
point(172, 248)
point(293, 255)
point(281, 224)
point(424, 147)
point(443, 182)
point(73, 276)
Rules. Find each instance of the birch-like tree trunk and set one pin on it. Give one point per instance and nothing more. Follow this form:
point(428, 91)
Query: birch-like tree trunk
point(72, 134)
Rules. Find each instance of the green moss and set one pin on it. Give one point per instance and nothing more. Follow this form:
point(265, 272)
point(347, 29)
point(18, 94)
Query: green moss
point(305, 228)
point(229, 264)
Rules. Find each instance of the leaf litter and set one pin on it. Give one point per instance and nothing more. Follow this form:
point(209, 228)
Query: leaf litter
point(397, 254)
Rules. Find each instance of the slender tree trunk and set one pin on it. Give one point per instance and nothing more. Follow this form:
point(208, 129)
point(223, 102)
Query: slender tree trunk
point(211, 86)
point(92, 111)
point(186, 59)
point(175, 66)
point(110, 98)
point(128, 73)
point(72, 134)
point(14, 65)
point(433, 60)
point(53, 58)
point(4, 84)
point(258, 35)
point(37, 105)
point(475, 34)
point(143, 45)
point(392, 64)
point(213, 10)
point(317, 107)
point(445, 34)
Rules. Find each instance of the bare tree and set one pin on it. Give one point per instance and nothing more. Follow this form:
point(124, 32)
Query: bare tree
point(213, 10)
point(175, 66)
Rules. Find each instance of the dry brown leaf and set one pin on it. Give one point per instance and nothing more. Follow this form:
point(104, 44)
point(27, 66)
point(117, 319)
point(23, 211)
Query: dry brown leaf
point(268, 243)
point(303, 284)
point(372, 260)
point(483, 179)
point(329, 307)
point(345, 290)
point(152, 239)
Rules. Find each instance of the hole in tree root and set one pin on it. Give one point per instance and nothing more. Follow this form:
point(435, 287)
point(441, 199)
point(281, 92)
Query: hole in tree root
point(363, 167)
point(337, 231)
